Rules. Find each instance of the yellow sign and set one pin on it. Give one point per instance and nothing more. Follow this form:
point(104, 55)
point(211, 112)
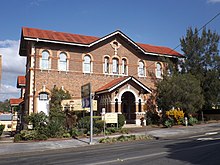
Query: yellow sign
point(111, 118)
point(76, 105)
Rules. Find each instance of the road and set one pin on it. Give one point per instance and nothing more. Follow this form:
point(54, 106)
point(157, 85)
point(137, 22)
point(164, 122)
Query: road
point(192, 150)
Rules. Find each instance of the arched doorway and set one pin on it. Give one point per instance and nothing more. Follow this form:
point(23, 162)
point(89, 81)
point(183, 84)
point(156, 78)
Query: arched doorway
point(128, 107)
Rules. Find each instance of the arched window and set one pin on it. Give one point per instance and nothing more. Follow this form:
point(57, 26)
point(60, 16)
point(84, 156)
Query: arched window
point(63, 62)
point(43, 103)
point(45, 61)
point(115, 69)
point(116, 105)
point(139, 105)
point(106, 65)
point(87, 64)
point(158, 70)
point(124, 66)
point(141, 71)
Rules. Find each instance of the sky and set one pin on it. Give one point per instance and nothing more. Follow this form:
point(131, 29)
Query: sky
point(156, 22)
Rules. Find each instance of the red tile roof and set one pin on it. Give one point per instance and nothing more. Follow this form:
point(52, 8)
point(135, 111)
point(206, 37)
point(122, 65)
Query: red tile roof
point(15, 101)
point(159, 49)
point(21, 81)
point(57, 36)
point(82, 39)
point(111, 84)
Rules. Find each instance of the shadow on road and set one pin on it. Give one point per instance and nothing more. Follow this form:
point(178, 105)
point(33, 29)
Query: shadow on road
point(196, 152)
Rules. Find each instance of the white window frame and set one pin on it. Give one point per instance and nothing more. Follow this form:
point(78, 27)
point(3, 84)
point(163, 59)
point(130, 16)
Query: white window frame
point(124, 67)
point(87, 64)
point(159, 71)
point(63, 62)
point(141, 69)
point(106, 65)
point(45, 61)
point(115, 66)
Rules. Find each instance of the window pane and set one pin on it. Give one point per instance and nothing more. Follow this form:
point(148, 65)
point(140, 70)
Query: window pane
point(141, 68)
point(106, 65)
point(87, 64)
point(45, 60)
point(124, 67)
point(159, 71)
point(115, 66)
point(63, 62)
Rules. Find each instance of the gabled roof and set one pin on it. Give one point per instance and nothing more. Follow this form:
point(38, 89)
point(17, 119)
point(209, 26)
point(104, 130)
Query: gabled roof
point(15, 102)
point(114, 84)
point(21, 81)
point(32, 34)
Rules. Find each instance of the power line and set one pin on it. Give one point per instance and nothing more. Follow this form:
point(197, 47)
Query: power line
point(200, 29)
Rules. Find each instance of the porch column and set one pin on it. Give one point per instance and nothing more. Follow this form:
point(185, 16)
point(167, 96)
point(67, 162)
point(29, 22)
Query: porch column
point(119, 107)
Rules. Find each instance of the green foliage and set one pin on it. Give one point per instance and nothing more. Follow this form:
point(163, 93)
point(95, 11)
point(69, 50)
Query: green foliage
point(123, 138)
point(152, 117)
point(37, 119)
point(2, 127)
point(5, 106)
point(121, 120)
point(192, 121)
point(180, 91)
point(168, 122)
point(203, 61)
point(17, 137)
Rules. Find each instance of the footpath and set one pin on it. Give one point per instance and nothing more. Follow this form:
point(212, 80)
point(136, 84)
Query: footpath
point(8, 147)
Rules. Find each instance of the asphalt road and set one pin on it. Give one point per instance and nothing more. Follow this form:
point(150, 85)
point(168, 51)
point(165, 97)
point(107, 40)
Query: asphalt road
point(194, 150)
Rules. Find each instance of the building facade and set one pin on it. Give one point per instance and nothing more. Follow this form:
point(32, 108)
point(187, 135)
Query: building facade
point(121, 72)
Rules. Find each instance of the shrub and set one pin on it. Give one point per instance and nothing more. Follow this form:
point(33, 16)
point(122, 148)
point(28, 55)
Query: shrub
point(176, 114)
point(66, 135)
point(2, 127)
point(152, 118)
point(17, 137)
point(28, 134)
point(121, 120)
point(192, 121)
point(169, 122)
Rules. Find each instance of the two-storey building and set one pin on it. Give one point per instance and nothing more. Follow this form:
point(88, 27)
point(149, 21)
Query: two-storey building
point(122, 72)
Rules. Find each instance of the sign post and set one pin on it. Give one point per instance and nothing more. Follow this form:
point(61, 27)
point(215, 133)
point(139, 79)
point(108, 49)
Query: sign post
point(87, 103)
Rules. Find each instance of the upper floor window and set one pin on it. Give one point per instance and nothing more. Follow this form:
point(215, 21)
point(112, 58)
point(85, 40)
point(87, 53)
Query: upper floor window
point(106, 65)
point(141, 71)
point(63, 62)
point(124, 66)
point(158, 70)
point(87, 64)
point(45, 60)
point(115, 68)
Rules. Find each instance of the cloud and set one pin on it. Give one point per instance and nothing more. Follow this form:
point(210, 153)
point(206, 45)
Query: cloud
point(13, 65)
point(8, 91)
point(213, 1)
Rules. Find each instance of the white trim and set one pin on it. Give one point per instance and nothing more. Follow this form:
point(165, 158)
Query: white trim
point(141, 85)
point(102, 39)
point(124, 81)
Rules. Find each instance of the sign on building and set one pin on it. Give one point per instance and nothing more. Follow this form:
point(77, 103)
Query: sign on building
point(76, 105)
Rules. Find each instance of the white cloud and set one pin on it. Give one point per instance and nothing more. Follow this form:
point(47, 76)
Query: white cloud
point(8, 91)
point(13, 65)
point(213, 1)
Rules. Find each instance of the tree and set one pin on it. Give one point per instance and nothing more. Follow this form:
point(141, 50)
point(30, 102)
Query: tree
point(5, 106)
point(57, 117)
point(203, 61)
point(180, 91)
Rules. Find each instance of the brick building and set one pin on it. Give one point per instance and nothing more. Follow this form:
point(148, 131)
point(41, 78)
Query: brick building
point(121, 72)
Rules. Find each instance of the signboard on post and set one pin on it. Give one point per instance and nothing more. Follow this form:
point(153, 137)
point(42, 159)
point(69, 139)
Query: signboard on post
point(85, 95)
point(111, 118)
